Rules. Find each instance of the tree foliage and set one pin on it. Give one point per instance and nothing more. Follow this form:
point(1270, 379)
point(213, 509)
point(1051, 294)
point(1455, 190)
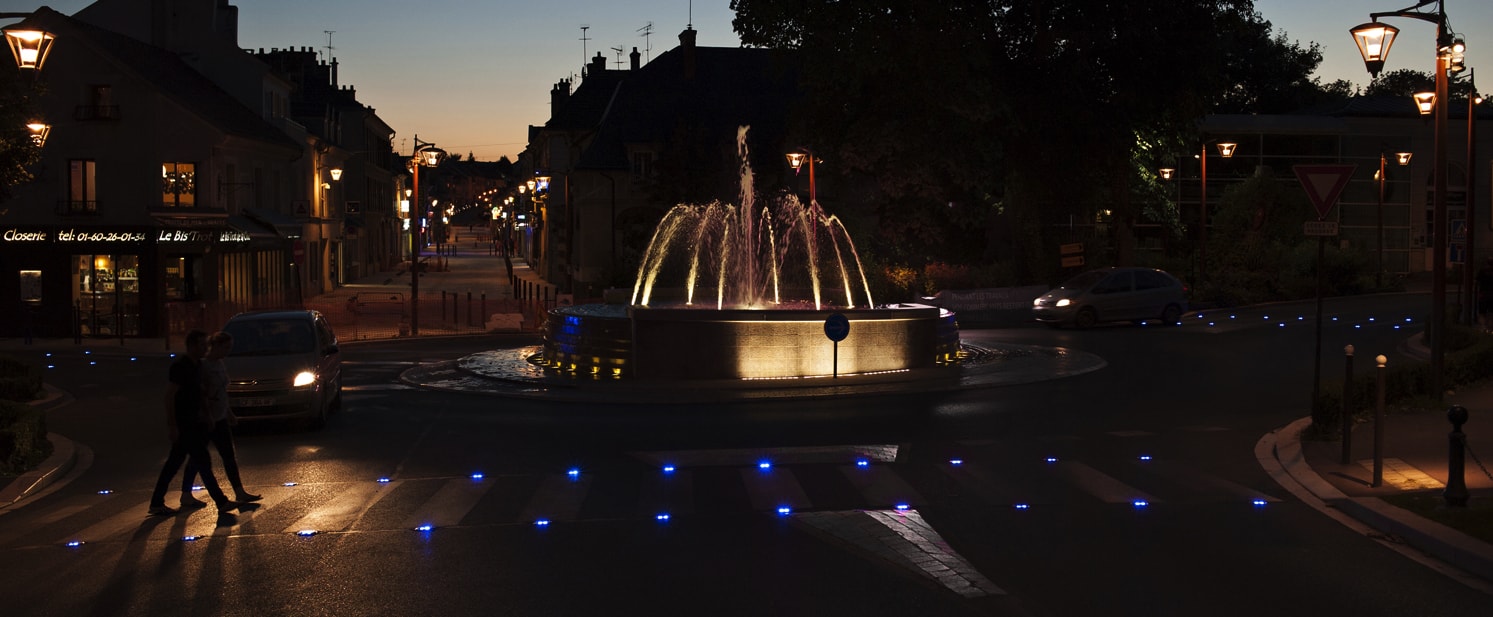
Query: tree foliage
point(17, 152)
point(1022, 114)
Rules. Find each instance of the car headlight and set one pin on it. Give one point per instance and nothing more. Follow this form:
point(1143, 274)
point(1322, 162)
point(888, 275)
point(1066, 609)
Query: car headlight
point(1037, 301)
point(1064, 302)
point(304, 378)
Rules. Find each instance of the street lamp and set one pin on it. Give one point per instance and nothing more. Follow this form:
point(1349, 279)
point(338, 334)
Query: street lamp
point(29, 47)
point(1374, 41)
point(425, 155)
point(1225, 150)
point(1470, 261)
point(336, 174)
point(1380, 177)
point(798, 160)
point(39, 132)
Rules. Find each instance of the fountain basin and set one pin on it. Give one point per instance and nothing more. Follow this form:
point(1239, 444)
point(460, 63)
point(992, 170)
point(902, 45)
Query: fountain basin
point(692, 343)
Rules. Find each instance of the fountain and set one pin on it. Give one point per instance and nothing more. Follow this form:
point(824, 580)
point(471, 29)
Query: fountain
point(753, 288)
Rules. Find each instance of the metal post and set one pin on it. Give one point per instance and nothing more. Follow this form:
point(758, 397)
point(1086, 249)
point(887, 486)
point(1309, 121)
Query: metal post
point(415, 252)
point(469, 307)
point(1379, 426)
point(1456, 487)
point(1379, 272)
point(1203, 219)
point(1469, 261)
point(1347, 417)
point(1317, 354)
point(1439, 225)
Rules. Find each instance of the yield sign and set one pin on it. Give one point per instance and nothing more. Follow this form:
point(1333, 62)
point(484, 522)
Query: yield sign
point(1323, 184)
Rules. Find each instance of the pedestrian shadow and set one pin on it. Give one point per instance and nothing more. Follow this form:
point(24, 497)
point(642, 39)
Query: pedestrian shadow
point(121, 584)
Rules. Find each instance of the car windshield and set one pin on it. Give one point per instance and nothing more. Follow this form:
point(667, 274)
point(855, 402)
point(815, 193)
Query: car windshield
point(265, 337)
point(1085, 280)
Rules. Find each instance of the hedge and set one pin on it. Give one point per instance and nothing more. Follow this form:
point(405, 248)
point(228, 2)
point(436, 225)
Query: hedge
point(19, 381)
point(23, 437)
point(1468, 359)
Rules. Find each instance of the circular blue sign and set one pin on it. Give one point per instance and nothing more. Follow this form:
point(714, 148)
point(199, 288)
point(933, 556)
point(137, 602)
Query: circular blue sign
point(836, 327)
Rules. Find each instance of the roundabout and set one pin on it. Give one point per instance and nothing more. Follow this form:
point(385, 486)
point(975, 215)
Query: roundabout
point(511, 373)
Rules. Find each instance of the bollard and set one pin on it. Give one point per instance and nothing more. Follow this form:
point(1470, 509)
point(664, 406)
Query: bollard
point(1347, 418)
point(1379, 426)
point(1456, 487)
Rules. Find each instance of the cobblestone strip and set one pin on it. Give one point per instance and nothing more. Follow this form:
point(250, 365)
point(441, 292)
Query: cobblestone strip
point(903, 537)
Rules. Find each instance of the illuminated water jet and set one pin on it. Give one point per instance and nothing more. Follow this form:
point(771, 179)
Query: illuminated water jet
point(772, 274)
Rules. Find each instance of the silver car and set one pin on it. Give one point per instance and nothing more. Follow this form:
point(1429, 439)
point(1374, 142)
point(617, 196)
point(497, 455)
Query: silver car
point(1113, 294)
point(285, 365)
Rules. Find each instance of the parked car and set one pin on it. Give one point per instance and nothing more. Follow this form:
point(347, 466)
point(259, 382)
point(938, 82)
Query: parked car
point(285, 365)
point(1113, 294)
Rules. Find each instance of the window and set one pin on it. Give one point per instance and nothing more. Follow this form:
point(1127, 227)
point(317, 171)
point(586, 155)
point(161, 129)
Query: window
point(31, 286)
point(642, 165)
point(106, 294)
point(82, 193)
point(179, 185)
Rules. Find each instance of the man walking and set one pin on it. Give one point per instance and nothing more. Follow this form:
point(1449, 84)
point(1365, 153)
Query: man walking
point(215, 389)
point(186, 420)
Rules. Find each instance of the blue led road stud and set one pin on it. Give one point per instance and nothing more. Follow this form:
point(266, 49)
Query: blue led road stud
point(1140, 503)
point(306, 533)
point(383, 480)
point(901, 506)
point(668, 469)
point(1145, 457)
point(956, 461)
point(544, 522)
point(573, 473)
point(862, 463)
point(106, 491)
point(764, 465)
point(426, 527)
point(1052, 459)
point(189, 538)
point(1259, 503)
point(784, 510)
point(662, 517)
point(288, 484)
point(75, 544)
point(477, 476)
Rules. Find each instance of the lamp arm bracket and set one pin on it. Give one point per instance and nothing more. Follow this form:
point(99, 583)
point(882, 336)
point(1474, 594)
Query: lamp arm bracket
point(1438, 18)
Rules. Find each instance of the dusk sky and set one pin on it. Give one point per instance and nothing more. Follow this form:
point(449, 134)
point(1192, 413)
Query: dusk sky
point(472, 75)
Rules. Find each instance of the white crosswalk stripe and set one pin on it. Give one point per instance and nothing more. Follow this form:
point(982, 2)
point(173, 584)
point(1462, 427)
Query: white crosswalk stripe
point(340, 512)
point(825, 479)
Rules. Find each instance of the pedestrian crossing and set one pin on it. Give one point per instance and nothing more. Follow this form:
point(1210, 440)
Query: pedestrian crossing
point(680, 485)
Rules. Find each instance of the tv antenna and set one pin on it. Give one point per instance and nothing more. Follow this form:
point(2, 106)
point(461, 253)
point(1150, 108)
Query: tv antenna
point(584, 57)
point(329, 44)
point(647, 31)
point(618, 50)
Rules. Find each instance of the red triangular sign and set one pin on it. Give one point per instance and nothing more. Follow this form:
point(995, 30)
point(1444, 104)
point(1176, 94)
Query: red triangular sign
point(1323, 184)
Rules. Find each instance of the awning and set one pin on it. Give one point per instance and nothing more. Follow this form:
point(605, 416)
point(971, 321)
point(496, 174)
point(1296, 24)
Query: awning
point(284, 225)
point(251, 227)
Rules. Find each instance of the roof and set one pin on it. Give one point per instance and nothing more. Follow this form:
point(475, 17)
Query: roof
point(731, 87)
point(172, 77)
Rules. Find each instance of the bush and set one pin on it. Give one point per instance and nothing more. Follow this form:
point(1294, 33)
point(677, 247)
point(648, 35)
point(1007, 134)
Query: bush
point(1468, 359)
point(23, 437)
point(19, 381)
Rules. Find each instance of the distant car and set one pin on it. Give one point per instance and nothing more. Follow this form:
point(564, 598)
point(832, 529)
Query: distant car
point(1113, 294)
point(285, 365)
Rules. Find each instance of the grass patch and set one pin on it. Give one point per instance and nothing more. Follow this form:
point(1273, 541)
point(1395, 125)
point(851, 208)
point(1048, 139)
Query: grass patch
point(1475, 520)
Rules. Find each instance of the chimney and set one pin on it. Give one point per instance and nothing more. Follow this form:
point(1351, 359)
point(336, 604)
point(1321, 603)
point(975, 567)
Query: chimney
point(334, 72)
point(636, 58)
point(558, 95)
point(687, 45)
point(598, 65)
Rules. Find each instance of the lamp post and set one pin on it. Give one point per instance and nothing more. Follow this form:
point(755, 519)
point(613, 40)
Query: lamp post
point(1404, 159)
point(1225, 150)
point(1374, 41)
point(425, 155)
point(1473, 100)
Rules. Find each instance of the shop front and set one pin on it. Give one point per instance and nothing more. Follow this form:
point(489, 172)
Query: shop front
point(133, 282)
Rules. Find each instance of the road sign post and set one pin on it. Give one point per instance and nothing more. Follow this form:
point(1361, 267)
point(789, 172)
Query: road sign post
point(836, 327)
point(1323, 184)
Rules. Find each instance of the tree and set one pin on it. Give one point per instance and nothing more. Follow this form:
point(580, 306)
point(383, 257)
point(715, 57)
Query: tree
point(17, 151)
point(1402, 82)
point(1031, 110)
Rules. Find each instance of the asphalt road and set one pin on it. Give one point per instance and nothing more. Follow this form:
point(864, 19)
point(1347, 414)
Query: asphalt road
point(1038, 517)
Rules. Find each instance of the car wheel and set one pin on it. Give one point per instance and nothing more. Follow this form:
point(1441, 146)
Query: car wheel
point(1171, 314)
point(1086, 318)
point(319, 421)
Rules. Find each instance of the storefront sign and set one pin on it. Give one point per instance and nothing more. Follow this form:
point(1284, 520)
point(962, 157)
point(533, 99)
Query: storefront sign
point(183, 235)
point(233, 235)
point(70, 235)
point(16, 235)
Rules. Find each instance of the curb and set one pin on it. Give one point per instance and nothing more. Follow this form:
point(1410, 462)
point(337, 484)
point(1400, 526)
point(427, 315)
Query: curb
point(1452, 547)
point(64, 455)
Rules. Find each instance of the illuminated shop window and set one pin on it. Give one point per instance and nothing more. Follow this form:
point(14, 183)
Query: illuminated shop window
point(179, 185)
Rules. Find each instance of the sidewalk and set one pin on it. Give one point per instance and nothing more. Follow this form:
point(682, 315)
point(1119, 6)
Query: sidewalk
point(1415, 456)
